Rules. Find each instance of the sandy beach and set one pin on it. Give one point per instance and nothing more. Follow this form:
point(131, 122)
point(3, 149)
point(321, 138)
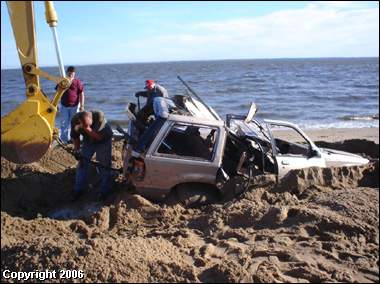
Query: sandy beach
point(340, 134)
point(317, 225)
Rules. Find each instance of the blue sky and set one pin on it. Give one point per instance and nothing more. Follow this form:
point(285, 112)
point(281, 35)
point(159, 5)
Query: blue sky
point(118, 32)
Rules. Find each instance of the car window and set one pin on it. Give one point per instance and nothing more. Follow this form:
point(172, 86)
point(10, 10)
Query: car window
point(289, 141)
point(191, 141)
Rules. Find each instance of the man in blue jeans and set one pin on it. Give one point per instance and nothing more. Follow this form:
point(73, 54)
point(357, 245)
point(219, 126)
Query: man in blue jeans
point(71, 101)
point(97, 138)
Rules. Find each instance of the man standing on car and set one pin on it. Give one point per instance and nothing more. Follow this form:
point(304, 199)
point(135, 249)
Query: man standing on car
point(97, 138)
point(159, 104)
point(152, 90)
point(71, 101)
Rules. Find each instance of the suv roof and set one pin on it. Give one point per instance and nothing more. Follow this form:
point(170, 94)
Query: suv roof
point(195, 120)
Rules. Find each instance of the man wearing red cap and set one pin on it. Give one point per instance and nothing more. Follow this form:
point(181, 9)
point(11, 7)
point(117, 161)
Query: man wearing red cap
point(159, 104)
point(153, 90)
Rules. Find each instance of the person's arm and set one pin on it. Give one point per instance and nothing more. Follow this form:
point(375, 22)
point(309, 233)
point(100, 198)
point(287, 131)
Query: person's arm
point(74, 133)
point(81, 95)
point(142, 94)
point(93, 134)
point(76, 142)
point(81, 101)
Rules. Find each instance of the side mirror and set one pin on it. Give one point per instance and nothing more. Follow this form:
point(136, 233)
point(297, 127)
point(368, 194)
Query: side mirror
point(251, 113)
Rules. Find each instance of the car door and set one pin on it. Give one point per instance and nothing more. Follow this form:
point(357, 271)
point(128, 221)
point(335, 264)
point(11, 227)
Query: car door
point(182, 156)
point(292, 149)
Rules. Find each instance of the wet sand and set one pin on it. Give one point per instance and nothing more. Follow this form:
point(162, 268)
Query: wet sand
point(316, 225)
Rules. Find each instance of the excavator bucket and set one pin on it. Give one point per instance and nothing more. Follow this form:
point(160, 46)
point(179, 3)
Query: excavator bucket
point(26, 134)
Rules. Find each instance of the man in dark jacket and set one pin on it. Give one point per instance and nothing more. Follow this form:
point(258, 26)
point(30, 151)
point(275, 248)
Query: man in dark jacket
point(152, 90)
point(97, 138)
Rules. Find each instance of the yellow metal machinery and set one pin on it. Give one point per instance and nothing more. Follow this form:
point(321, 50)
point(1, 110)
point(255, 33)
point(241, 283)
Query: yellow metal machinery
point(28, 131)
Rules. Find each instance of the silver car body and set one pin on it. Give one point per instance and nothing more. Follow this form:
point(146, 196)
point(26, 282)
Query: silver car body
point(163, 172)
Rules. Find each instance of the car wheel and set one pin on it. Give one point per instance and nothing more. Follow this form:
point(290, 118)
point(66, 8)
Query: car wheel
point(234, 187)
point(193, 195)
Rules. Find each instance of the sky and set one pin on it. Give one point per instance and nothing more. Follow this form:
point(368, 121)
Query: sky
point(120, 32)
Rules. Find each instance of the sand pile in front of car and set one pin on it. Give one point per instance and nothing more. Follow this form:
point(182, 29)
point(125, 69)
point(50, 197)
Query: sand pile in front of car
point(319, 225)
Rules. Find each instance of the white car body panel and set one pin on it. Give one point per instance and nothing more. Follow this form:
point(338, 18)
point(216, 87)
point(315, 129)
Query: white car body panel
point(288, 163)
point(323, 157)
point(335, 158)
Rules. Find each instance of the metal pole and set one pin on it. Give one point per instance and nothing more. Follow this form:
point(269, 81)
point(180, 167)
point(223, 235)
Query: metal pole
point(198, 98)
point(58, 52)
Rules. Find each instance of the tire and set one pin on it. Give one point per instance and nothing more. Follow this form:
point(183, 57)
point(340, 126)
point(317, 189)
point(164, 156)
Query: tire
point(234, 187)
point(192, 195)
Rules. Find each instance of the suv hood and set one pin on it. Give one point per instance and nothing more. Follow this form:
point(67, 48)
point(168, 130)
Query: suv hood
point(341, 158)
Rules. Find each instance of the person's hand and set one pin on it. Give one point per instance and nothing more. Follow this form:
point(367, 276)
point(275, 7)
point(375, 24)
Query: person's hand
point(77, 155)
point(81, 108)
point(78, 127)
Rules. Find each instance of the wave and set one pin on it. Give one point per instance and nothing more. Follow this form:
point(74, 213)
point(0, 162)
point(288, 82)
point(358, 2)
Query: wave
point(366, 86)
point(359, 117)
point(233, 89)
point(342, 124)
point(254, 80)
point(290, 87)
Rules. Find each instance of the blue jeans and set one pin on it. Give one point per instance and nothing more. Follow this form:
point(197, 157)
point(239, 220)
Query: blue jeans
point(149, 134)
point(103, 155)
point(67, 114)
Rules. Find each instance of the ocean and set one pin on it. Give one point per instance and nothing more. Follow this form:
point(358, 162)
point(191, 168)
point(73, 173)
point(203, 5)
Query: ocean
point(314, 93)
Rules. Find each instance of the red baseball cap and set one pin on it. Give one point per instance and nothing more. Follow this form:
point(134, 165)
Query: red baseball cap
point(149, 83)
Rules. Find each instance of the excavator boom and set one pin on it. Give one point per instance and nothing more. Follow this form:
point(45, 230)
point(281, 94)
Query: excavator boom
point(27, 132)
point(21, 15)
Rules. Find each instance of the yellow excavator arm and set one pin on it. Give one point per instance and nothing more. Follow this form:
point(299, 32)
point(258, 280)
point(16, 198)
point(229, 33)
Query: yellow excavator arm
point(28, 131)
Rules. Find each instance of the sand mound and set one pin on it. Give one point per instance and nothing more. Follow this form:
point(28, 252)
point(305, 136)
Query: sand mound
point(358, 146)
point(318, 225)
point(297, 181)
point(34, 189)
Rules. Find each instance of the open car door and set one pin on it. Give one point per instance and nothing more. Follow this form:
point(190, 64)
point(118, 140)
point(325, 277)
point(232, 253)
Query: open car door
point(292, 148)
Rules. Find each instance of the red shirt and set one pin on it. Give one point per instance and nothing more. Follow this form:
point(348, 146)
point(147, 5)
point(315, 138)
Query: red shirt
point(70, 97)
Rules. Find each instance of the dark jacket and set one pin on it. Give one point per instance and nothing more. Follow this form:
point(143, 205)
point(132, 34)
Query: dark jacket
point(147, 110)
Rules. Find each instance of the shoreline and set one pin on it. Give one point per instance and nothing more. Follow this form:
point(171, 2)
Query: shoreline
point(341, 134)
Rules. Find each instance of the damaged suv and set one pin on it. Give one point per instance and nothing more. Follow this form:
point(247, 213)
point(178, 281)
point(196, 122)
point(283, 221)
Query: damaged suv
point(196, 152)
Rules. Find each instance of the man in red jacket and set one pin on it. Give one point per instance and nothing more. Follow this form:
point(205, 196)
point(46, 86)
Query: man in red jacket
point(71, 101)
